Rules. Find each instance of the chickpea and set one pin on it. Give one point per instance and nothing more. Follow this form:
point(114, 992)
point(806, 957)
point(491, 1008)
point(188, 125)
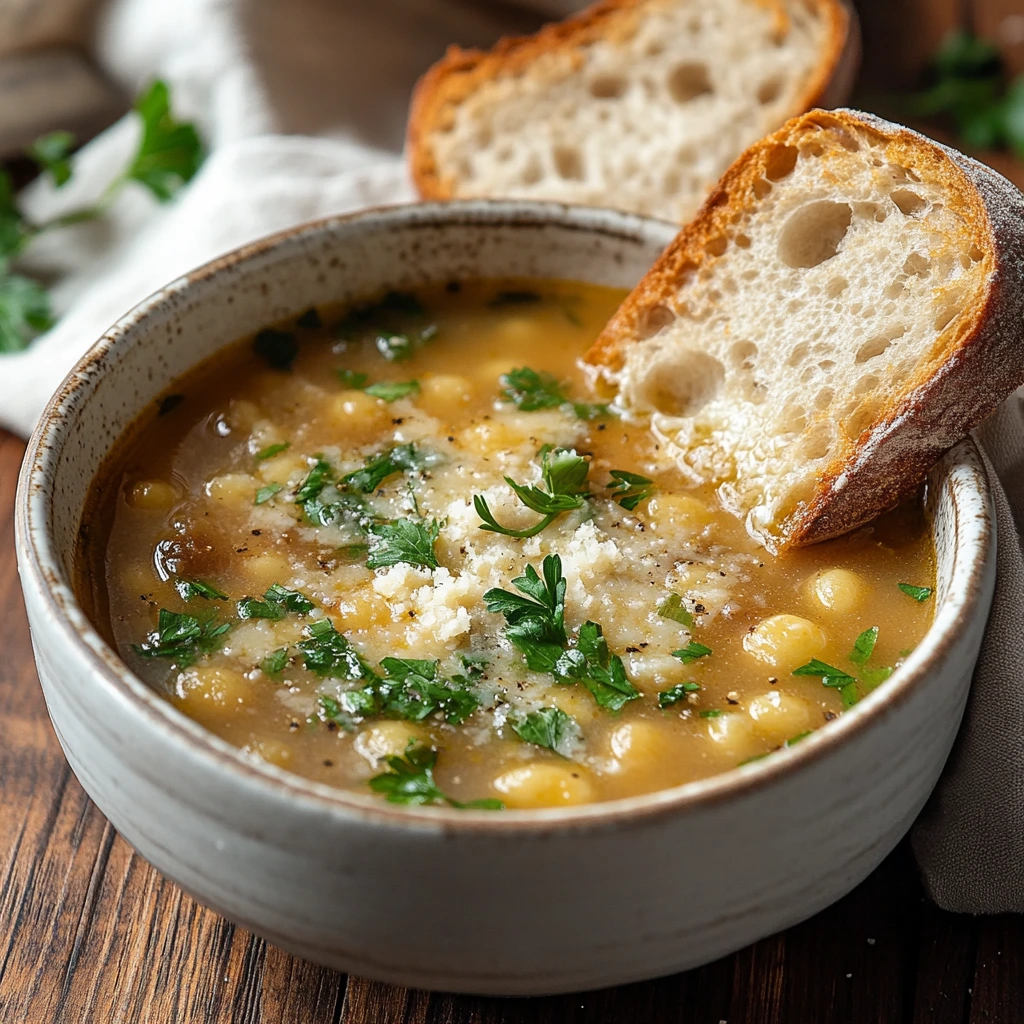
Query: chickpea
point(363, 609)
point(152, 495)
point(573, 701)
point(779, 716)
point(232, 488)
point(489, 374)
point(638, 745)
point(243, 415)
point(677, 512)
point(386, 739)
point(656, 671)
point(210, 693)
point(442, 394)
point(785, 641)
point(272, 751)
point(356, 409)
point(544, 785)
point(489, 437)
point(733, 735)
point(262, 571)
point(281, 468)
point(838, 590)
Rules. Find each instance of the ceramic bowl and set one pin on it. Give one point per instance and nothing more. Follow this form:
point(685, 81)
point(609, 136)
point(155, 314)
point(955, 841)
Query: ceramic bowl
point(520, 902)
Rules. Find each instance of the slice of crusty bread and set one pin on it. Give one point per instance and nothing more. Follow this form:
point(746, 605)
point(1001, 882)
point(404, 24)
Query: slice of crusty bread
point(847, 304)
point(635, 104)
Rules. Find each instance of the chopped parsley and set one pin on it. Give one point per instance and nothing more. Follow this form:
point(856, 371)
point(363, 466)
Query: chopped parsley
point(864, 645)
point(403, 540)
point(672, 608)
point(275, 603)
point(316, 480)
point(474, 664)
point(794, 740)
point(410, 780)
point(919, 594)
point(550, 728)
point(530, 391)
point(264, 494)
point(392, 390)
point(181, 637)
point(711, 713)
point(535, 625)
point(630, 489)
point(565, 476)
point(395, 347)
point(188, 589)
point(271, 450)
point(834, 678)
point(275, 662)
point(279, 348)
point(674, 694)
point(326, 652)
point(405, 458)
point(414, 689)
point(691, 652)
point(353, 379)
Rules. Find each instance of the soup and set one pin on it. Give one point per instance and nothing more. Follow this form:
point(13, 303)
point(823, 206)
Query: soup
point(404, 549)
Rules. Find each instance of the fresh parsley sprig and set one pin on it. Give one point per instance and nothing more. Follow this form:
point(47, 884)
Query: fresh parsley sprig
point(403, 540)
point(849, 687)
point(181, 638)
point(565, 476)
point(550, 728)
point(168, 154)
point(326, 652)
point(410, 780)
point(531, 390)
point(629, 489)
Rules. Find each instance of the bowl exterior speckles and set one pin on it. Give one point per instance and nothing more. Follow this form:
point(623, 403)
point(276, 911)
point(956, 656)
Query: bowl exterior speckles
point(521, 902)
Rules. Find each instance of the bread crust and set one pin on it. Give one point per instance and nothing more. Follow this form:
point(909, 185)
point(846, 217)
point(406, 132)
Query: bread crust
point(460, 72)
point(978, 359)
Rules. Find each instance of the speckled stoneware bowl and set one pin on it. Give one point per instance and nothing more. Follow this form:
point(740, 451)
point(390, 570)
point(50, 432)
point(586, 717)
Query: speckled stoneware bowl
point(518, 902)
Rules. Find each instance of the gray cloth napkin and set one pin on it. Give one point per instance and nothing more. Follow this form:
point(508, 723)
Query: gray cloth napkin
point(259, 74)
point(969, 840)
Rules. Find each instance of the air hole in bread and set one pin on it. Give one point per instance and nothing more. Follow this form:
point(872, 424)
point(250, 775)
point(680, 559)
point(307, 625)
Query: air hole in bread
point(947, 314)
point(688, 81)
point(917, 264)
point(761, 188)
point(809, 373)
point(871, 349)
point(976, 254)
point(813, 233)
point(756, 392)
point(568, 162)
point(655, 48)
point(780, 162)
point(532, 172)
point(799, 354)
point(817, 442)
point(770, 91)
point(716, 246)
point(741, 354)
point(681, 383)
point(504, 154)
point(909, 203)
point(827, 364)
point(823, 399)
point(792, 420)
point(742, 241)
point(861, 418)
point(654, 319)
point(608, 86)
point(836, 287)
point(897, 288)
point(815, 149)
point(867, 383)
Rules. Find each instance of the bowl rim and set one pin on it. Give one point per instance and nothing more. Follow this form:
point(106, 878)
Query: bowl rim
point(40, 567)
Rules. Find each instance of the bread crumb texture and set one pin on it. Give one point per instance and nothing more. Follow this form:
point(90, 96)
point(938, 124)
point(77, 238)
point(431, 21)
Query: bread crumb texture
point(638, 104)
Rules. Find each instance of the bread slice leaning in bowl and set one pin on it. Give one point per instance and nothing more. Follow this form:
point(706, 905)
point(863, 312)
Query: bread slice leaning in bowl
point(636, 104)
point(848, 303)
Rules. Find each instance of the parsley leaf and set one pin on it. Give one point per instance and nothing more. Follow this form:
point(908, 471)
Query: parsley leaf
point(410, 780)
point(674, 694)
point(536, 622)
point(271, 450)
point(672, 608)
point(864, 645)
point(405, 458)
point(711, 713)
point(530, 390)
point(550, 728)
point(326, 652)
point(601, 672)
point(170, 151)
point(834, 677)
point(293, 600)
point(181, 638)
point(24, 309)
point(919, 594)
point(187, 589)
point(392, 390)
point(630, 488)
point(404, 540)
point(474, 664)
point(316, 479)
point(691, 652)
point(51, 152)
point(353, 379)
point(565, 476)
point(871, 677)
point(264, 494)
point(275, 662)
point(275, 603)
point(414, 690)
point(279, 348)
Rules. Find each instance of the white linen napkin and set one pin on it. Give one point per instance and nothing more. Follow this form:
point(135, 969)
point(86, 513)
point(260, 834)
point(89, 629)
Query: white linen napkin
point(262, 77)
